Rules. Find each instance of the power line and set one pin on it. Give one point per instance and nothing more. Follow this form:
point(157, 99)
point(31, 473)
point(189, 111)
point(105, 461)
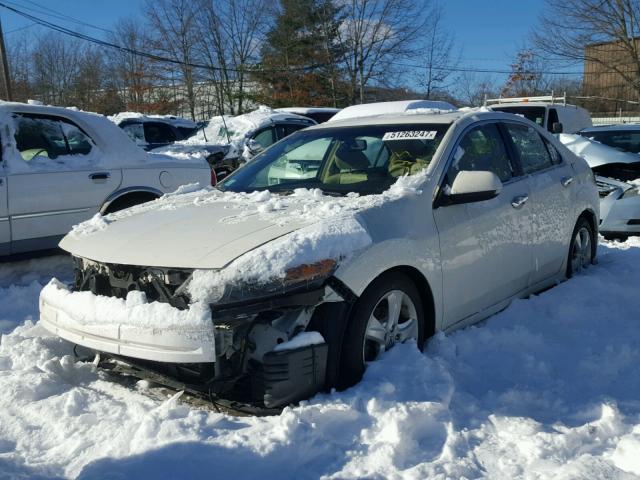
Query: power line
point(20, 28)
point(41, 9)
point(159, 58)
point(132, 51)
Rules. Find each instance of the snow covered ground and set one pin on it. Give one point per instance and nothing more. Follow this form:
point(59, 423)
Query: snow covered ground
point(549, 388)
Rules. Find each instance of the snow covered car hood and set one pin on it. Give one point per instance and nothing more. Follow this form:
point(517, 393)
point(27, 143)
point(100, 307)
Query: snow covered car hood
point(209, 229)
point(191, 236)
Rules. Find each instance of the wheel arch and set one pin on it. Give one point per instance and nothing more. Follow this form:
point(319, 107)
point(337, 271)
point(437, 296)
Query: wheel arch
point(120, 195)
point(425, 291)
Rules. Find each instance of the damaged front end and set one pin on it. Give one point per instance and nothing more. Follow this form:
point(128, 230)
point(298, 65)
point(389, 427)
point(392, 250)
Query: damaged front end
point(256, 356)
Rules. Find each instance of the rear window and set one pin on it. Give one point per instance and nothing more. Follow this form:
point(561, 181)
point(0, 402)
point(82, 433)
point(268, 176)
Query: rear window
point(535, 114)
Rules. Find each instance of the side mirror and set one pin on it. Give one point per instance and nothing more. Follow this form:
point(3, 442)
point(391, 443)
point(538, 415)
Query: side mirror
point(556, 128)
point(472, 186)
point(254, 147)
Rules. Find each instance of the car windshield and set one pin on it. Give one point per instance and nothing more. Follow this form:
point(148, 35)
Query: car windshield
point(535, 114)
point(363, 159)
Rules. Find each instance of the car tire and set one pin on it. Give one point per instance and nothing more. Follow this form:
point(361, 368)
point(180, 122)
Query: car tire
point(582, 250)
point(365, 339)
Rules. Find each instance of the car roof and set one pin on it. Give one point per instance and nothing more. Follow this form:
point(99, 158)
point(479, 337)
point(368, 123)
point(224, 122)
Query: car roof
point(604, 128)
point(413, 118)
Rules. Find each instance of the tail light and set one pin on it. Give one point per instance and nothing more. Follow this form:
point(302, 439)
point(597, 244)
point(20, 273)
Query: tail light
point(214, 178)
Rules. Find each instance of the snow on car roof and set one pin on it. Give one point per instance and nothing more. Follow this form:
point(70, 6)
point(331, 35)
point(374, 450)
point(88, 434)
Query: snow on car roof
point(229, 129)
point(307, 110)
point(392, 108)
point(141, 117)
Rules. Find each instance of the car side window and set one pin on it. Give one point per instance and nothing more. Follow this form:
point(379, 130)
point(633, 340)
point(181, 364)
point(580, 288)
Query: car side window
point(135, 132)
point(265, 138)
point(553, 118)
point(286, 130)
point(49, 137)
point(530, 147)
point(556, 158)
point(481, 149)
point(77, 141)
point(156, 132)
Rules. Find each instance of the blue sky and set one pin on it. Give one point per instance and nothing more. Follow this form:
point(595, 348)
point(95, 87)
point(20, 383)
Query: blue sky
point(488, 32)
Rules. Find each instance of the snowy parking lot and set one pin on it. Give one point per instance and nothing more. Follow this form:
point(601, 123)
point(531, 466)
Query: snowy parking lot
point(549, 388)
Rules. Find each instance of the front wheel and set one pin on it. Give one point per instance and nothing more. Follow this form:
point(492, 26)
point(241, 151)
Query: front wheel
point(582, 249)
point(390, 311)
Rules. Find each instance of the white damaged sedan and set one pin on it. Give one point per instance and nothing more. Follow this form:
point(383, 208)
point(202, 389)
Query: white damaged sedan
point(274, 285)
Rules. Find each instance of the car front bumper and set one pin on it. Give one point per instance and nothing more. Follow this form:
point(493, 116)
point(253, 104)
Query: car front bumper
point(179, 344)
point(623, 216)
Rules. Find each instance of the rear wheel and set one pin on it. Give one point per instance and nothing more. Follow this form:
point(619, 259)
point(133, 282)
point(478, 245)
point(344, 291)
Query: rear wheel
point(388, 312)
point(582, 249)
point(128, 201)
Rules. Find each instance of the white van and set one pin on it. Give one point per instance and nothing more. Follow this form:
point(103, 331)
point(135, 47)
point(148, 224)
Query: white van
point(551, 113)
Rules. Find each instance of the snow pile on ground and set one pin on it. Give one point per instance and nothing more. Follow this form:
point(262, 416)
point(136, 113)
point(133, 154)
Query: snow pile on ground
point(85, 308)
point(547, 389)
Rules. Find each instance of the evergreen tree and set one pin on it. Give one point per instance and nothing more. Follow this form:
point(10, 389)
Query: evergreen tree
point(300, 55)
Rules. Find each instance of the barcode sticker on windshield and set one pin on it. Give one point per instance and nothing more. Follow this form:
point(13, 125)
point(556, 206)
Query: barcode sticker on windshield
point(410, 135)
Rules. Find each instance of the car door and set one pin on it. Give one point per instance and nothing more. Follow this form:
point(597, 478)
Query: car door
point(550, 179)
point(5, 228)
point(56, 180)
point(485, 247)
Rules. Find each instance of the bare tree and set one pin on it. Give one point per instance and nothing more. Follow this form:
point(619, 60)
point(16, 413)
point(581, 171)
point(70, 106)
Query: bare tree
point(375, 35)
point(472, 90)
point(527, 75)
point(131, 74)
point(230, 35)
point(175, 35)
point(21, 66)
point(439, 56)
point(604, 32)
point(56, 62)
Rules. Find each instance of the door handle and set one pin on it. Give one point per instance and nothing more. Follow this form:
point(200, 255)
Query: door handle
point(519, 201)
point(566, 181)
point(99, 175)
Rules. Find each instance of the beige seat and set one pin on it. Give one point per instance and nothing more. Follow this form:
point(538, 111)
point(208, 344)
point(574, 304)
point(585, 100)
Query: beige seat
point(348, 166)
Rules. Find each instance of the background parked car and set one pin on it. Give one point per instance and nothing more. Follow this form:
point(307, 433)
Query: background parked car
point(625, 137)
point(226, 141)
point(151, 132)
point(614, 169)
point(552, 113)
point(317, 114)
point(61, 166)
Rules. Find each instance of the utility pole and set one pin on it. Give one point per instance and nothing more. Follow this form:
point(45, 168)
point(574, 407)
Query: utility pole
point(5, 78)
